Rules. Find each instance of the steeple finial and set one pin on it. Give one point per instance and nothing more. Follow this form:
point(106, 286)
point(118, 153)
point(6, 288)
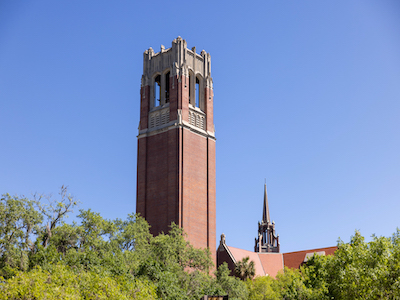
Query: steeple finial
point(266, 218)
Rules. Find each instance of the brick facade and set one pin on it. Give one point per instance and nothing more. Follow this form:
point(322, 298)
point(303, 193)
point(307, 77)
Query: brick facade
point(176, 144)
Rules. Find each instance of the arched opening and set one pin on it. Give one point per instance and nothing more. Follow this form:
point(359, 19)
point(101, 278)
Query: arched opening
point(197, 92)
point(166, 92)
point(157, 90)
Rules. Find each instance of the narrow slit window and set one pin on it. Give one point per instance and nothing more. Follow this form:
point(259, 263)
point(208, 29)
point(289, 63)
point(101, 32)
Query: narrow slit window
point(190, 89)
point(167, 87)
point(197, 92)
point(157, 90)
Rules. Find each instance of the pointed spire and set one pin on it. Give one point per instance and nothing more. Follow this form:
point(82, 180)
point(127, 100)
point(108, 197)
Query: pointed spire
point(267, 240)
point(266, 218)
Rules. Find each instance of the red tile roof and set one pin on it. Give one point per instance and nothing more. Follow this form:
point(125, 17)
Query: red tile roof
point(265, 263)
point(294, 260)
point(239, 254)
point(272, 263)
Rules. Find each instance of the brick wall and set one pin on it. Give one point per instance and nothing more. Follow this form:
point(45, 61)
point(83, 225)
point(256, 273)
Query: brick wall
point(176, 171)
point(176, 183)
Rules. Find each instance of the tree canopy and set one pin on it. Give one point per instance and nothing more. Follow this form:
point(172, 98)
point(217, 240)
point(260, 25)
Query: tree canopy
point(43, 257)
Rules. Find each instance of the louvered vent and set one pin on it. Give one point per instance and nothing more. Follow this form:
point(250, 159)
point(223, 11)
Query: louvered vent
point(164, 117)
point(197, 119)
point(152, 122)
point(159, 117)
point(201, 123)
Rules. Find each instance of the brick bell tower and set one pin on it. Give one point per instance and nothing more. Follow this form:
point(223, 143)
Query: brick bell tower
point(176, 143)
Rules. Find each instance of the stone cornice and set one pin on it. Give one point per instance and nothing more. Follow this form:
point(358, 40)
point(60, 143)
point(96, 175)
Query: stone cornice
point(173, 125)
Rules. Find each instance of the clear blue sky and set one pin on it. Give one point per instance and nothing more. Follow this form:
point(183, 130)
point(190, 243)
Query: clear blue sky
point(307, 96)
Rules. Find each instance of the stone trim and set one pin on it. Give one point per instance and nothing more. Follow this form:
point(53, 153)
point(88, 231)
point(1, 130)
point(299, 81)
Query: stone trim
point(172, 125)
point(158, 116)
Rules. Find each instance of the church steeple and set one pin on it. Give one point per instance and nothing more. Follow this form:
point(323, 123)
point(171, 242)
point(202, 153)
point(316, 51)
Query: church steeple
point(267, 240)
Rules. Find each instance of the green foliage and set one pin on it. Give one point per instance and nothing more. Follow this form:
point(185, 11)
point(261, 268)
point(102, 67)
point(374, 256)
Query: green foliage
point(98, 258)
point(358, 270)
point(179, 270)
point(61, 282)
point(42, 257)
point(262, 288)
point(291, 284)
point(233, 286)
point(315, 276)
point(18, 221)
point(361, 270)
point(54, 211)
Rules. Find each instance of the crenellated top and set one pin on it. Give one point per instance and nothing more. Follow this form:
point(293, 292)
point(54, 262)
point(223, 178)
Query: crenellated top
point(179, 60)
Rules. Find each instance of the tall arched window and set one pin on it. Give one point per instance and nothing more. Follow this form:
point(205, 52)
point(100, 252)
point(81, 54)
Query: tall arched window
point(166, 92)
point(197, 103)
point(157, 90)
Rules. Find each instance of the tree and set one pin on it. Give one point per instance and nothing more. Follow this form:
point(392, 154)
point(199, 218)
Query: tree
point(358, 270)
point(262, 288)
point(245, 269)
point(99, 258)
point(361, 270)
point(55, 211)
point(291, 284)
point(62, 282)
point(315, 275)
point(233, 286)
point(19, 220)
point(179, 270)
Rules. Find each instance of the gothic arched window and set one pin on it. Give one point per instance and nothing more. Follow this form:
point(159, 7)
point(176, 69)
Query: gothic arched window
point(157, 90)
point(197, 92)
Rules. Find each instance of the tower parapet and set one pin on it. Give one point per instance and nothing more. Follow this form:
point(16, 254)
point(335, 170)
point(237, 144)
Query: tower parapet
point(177, 88)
